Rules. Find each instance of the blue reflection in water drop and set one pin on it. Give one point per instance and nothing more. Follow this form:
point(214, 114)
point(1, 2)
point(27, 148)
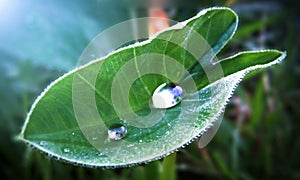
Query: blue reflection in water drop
point(117, 132)
point(167, 95)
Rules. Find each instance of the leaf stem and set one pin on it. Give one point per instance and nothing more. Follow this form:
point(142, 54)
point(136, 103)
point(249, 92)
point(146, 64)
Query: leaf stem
point(169, 168)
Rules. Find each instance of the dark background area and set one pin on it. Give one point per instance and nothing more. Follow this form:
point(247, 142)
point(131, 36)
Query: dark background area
point(258, 138)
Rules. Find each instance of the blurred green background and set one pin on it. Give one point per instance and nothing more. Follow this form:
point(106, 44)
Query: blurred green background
point(258, 138)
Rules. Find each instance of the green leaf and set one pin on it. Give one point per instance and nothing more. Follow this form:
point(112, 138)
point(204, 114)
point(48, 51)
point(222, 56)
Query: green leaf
point(71, 118)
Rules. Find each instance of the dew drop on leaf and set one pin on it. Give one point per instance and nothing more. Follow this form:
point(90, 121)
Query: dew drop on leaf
point(66, 150)
point(117, 132)
point(167, 95)
point(43, 143)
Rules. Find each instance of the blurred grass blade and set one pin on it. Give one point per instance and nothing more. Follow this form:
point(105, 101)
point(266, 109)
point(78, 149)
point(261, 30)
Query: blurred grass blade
point(153, 170)
point(169, 168)
point(250, 28)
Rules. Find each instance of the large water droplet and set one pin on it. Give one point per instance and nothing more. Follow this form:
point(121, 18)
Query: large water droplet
point(117, 132)
point(167, 95)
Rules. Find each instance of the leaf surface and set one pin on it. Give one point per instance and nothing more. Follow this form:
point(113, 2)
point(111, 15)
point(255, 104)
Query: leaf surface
point(71, 118)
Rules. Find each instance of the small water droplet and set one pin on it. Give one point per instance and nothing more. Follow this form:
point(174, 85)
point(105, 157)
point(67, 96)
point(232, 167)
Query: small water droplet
point(94, 138)
point(100, 154)
point(167, 95)
point(117, 132)
point(130, 145)
point(73, 133)
point(66, 150)
point(43, 143)
point(140, 141)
